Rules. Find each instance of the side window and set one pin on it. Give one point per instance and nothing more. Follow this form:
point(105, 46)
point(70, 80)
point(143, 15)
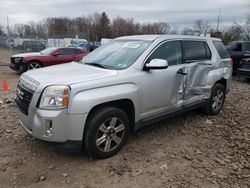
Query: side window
point(248, 46)
point(77, 52)
point(170, 51)
point(221, 49)
point(236, 47)
point(196, 50)
point(208, 51)
point(66, 51)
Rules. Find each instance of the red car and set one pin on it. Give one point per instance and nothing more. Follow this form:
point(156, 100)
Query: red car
point(47, 57)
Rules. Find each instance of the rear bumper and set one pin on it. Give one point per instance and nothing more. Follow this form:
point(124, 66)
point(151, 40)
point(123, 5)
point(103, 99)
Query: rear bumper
point(244, 72)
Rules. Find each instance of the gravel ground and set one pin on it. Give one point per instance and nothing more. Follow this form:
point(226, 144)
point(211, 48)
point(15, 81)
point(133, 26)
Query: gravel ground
point(191, 150)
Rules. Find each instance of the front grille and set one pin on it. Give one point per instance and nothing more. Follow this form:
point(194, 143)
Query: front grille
point(23, 98)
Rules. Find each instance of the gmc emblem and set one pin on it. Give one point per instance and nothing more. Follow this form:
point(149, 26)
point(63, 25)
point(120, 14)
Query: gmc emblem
point(19, 94)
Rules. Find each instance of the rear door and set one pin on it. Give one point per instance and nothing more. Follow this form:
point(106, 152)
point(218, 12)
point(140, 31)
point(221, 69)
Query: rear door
point(198, 63)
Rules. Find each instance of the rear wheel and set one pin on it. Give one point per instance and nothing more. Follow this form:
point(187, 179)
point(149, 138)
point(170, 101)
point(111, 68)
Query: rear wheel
point(33, 65)
point(216, 100)
point(107, 130)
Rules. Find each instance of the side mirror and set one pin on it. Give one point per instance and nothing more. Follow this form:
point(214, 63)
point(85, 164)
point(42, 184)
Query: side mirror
point(156, 64)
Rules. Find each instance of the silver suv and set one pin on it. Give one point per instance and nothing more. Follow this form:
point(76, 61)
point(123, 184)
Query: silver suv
point(120, 87)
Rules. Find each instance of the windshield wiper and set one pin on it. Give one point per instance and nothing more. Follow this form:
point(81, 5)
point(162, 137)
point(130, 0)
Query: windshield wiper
point(96, 65)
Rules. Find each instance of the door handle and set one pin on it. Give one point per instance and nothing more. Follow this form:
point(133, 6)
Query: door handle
point(208, 65)
point(181, 72)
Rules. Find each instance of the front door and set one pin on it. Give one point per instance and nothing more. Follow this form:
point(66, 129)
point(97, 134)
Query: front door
point(162, 90)
point(64, 55)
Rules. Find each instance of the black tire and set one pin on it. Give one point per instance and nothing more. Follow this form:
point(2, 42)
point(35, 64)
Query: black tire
point(33, 65)
point(248, 79)
point(214, 107)
point(101, 127)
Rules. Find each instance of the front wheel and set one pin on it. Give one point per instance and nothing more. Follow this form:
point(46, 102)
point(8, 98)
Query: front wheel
point(107, 130)
point(33, 65)
point(216, 100)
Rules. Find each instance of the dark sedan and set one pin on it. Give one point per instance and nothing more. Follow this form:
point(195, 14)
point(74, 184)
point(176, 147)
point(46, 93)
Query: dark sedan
point(244, 69)
point(50, 56)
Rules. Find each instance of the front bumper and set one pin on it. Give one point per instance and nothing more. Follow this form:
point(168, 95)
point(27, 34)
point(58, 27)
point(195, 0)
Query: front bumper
point(244, 72)
point(14, 67)
point(19, 67)
point(66, 128)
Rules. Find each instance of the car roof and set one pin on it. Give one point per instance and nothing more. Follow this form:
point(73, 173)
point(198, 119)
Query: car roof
point(154, 37)
point(57, 48)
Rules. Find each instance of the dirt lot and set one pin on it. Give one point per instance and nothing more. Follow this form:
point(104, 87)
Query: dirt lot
point(192, 150)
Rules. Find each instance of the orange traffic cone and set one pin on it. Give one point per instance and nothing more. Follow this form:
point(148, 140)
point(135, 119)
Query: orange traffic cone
point(5, 85)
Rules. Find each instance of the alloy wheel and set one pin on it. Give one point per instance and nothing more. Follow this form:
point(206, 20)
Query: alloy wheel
point(217, 100)
point(110, 134)
point(32, 66)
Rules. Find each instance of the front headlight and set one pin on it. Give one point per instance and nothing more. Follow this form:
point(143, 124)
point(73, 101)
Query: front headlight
point(55, 97)
point(18, 59)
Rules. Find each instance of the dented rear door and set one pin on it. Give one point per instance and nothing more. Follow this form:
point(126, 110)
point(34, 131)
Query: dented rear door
point(198, 63)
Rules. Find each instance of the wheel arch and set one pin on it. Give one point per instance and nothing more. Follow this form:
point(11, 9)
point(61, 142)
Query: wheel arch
point(126, 105)
point(35, 60)
point(222, 81)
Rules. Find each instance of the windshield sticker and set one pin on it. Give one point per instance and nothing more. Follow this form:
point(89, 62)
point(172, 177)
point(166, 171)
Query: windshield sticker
point(131, 45)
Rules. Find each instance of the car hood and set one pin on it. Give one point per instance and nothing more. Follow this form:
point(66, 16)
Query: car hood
point(67, 74)
point(27, 54)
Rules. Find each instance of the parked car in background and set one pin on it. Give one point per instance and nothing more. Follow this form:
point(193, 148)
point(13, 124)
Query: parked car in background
point(83, 45)
point(120, 87)
point(33, 45)
point(93, 45)
point(238, 50)
point(47, 57)
point(87, 46)
point(244, 69)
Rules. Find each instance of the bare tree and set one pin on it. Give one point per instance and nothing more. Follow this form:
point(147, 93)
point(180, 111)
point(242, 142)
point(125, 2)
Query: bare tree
point(155, 28)
point(187, 31)
point(122, 26)
point(245, 28)
point(201, 26)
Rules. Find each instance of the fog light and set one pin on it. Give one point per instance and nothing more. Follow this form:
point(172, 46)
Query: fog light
point(48, 127)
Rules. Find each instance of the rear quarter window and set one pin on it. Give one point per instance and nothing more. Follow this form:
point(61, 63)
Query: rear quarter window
point(221, 49)
point(196, 50)
point(248, 46)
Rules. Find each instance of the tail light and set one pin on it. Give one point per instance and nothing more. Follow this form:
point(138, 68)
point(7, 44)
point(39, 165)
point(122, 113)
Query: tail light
point(231, 62)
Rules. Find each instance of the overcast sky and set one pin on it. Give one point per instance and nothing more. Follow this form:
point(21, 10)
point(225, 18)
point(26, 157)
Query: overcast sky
point(176, 12)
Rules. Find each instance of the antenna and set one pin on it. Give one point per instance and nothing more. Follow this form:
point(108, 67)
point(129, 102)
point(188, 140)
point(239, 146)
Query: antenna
point(218, 21)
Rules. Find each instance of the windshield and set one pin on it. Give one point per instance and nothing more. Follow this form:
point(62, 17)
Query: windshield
point(47, 51)
point(117, 54)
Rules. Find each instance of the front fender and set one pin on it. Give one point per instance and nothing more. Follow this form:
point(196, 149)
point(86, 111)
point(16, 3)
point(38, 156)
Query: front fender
point(82, 102)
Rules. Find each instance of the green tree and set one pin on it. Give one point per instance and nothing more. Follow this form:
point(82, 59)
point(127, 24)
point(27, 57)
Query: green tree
point(103, 28)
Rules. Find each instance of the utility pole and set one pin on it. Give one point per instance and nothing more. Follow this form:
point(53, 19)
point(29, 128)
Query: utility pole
point(9, 41)
point(218, 21)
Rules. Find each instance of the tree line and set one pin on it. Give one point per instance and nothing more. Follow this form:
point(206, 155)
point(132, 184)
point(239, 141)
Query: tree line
point(96, 26)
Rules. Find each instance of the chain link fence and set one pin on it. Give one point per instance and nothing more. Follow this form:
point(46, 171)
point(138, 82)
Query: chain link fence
point(24, 44)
